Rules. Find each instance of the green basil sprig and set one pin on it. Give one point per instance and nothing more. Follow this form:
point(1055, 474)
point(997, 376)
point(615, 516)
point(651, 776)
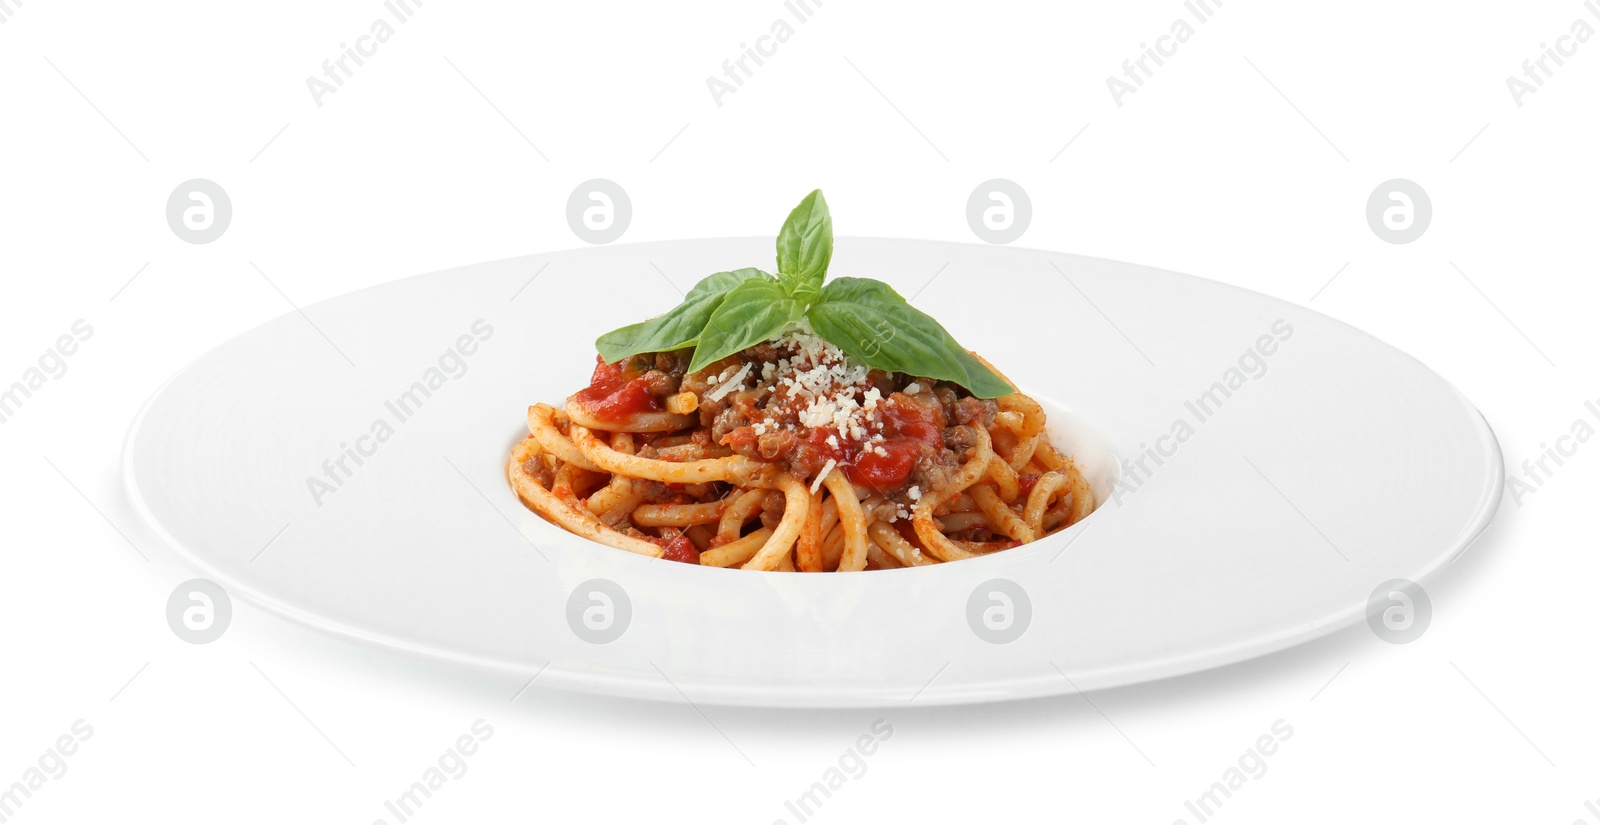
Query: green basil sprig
point(682, 326)
point(805, 245)
point(870, 321)
point(752, 312)
point(728, 312)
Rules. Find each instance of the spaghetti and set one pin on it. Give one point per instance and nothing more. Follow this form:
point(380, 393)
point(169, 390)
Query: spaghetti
point(793, 455)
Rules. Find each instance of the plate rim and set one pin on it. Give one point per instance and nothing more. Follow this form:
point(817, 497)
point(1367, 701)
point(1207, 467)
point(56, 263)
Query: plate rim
point(578, 679)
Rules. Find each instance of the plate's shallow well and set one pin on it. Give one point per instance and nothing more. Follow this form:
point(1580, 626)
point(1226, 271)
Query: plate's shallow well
point(1275, 467)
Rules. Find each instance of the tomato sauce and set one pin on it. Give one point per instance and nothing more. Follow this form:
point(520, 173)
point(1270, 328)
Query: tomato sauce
point(615, 393)
point(906, 428)
point(680, 549)
point(885, 472)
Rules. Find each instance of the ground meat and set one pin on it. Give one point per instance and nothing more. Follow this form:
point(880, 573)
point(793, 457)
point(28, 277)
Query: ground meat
point(941, 411)
point(699, 382)
point(759, 420)
point(660, 383)
point(970, 409)
point(674, 363)
point(761, 354)
point(708, 413)
point(725, 421)
point(701, 491)
point(960, 439)
point(879, 510)
point(772, 510)
point(769, 446)
point(935, 469)
point(883, 382)
point(765, 447)
point(746, 400)
point(544, 475)
point(654, 492)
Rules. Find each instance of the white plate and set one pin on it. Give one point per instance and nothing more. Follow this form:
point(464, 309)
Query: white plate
point(1344, 464)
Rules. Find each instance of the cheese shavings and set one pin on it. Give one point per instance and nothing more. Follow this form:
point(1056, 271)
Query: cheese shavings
point(829, 385)
point(732, 384)
point(816, 484)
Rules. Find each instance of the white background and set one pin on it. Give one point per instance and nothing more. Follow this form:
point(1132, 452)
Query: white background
point(897, 111)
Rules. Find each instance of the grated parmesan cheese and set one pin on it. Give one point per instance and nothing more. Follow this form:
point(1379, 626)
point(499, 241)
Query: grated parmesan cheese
point(913, 388)
point(732, 384)
point(827, 382)
point(816, 484)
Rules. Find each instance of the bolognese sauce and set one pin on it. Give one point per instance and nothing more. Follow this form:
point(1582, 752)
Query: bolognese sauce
point(779, 421)
point(799, 404)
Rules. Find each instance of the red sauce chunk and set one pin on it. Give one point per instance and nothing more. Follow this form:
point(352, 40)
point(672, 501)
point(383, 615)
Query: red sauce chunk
point(804, 403)
point(885, 472)
point(615, 393)
point(680, 549)
point(907, 426)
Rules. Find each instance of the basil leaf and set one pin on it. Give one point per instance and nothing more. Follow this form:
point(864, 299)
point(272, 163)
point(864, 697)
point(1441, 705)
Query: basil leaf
point(805, 246)
point(869, 320)
point(681, 326)
point(754, 311)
